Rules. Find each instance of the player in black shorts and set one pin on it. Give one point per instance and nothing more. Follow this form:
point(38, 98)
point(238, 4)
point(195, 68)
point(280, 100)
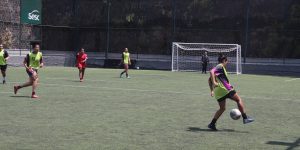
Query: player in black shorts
point(3, 65)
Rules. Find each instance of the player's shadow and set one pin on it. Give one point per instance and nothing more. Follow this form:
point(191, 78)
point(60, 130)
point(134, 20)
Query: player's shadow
point(290, 145)
point(17, 96)
point(197, 129)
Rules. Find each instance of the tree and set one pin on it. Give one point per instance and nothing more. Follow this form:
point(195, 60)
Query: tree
point(6, 38)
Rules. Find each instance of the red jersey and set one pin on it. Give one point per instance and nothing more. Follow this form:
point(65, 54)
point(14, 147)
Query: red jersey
point(80, 59)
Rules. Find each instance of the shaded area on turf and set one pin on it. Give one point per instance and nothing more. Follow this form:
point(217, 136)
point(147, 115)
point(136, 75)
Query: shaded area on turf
point(291, 145)
point(197, 129)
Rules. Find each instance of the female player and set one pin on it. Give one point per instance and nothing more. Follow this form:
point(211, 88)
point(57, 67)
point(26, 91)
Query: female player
point(3, 65)
point(221, 90)
point(81, 59)
point(126, 62)
point(32, 62)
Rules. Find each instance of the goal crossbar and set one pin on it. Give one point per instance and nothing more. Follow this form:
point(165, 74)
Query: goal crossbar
point(187, 56)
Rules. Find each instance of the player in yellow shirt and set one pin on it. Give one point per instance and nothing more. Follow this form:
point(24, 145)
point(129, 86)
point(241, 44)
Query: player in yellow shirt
point(126, 62)
point(3, 65)
point(32, 62)
point(222, 89)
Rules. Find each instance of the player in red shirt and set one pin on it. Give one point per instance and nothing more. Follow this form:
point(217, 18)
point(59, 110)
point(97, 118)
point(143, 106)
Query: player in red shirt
point(81, 59)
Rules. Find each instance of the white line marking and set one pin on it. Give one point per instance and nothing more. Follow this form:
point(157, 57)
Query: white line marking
point(66, 79)
point(289, 80)
point(121, 89)
point(111, 88)
point(269, 98)
point(73, 79)
point(9, 93)
point(6, 92)
point(156, 91)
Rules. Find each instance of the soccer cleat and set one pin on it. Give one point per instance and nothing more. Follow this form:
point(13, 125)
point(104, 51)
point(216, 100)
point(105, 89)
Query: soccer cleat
point(34, 96)
point(15, 89)
point(212, 127)
point(121, 75)
point(248, 120)
point(128, 77)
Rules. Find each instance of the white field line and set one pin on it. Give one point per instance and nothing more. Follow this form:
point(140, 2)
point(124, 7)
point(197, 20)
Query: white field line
point(120, 89)
point(117, 74)
point(269, 98)
point(12, 92)
point(156, 91)
point(289, 80)
point(200, 89)
point(6, 92)
point(78, 79)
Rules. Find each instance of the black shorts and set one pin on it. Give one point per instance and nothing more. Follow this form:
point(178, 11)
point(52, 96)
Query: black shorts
point(229, 95)
point(30, 74)
point(3, 67)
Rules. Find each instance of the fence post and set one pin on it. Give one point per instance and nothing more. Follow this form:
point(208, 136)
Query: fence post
point(108, 29)
point(247, 30)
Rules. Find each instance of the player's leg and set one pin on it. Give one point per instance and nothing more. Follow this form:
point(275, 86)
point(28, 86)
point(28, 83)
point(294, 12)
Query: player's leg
point(80, 73)
point(83, 71)
point(34, 86)
point(126, 70)
point(205, 67)
point(3, 72)
point(240, 104)
point(26, 84)
point(222, 105)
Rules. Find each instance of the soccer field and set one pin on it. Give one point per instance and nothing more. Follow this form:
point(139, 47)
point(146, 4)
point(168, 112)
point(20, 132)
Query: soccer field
point(154, 110)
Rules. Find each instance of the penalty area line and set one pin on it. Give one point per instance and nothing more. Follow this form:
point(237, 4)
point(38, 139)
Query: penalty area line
point(269, 98)
point(121, 89)
point(111, 88)
point(289, 80)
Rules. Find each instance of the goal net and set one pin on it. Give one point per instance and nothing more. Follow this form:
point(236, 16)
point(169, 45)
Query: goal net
point(187, 56)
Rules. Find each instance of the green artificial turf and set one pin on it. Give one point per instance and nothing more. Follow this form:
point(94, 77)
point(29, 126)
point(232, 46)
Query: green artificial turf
point(154, 110)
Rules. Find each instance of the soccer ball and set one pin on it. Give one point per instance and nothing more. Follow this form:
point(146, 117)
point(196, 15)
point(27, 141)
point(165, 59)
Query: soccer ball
point(235, 114)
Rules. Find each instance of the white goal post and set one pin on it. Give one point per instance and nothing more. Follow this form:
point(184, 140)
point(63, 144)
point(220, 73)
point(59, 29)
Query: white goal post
point(187, 56)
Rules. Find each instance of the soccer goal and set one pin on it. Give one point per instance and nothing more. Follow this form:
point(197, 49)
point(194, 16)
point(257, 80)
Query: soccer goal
point(187, 56)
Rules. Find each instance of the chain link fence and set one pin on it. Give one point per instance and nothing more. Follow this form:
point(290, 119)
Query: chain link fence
point(265, 29)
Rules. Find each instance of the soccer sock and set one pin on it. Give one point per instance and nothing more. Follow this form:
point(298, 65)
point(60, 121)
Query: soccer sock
point(3, 78)
point(244, 116)
point(126, 74)
point(33, 93)
point(214, 121)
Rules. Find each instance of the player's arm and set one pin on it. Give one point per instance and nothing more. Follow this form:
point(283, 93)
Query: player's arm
point(122, 59)
point(77, 60)
point(210, 84)
point(129, 61)
point(6, 56)
point(85, 59)
point(41, 62)
point(211, 87)
point(213, 78)
point(26, 62)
